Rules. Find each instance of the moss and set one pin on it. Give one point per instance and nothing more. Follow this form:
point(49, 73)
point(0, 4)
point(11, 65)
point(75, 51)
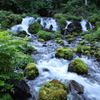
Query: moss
point(61, 19)
point(44, 35)
point(82, 48)
point(31, 71)
point(78, 66)
point(35, 28)
point(70, 40)
point(42, 40)
point(82, 42)
point(64, 52)
point(26, 39)
point(60, 41)
point(54, 90)
point(69, 36)
point(56, 34)
point(75, 34)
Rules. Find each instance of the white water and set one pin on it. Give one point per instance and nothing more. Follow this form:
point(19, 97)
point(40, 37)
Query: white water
point(83, 24)
point(67, 23)
point(24, 25)
point(51, 67)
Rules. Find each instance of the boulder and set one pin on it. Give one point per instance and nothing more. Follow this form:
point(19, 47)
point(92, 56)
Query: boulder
point(75, 88)
point(64, 52)
point(21, 90)
point(54, 90)
point(34, 28)
point(31, 71)
point(78, 66)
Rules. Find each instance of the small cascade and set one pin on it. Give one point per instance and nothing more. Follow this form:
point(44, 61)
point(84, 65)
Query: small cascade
point(51, 67)
point(83, 24)
point(49, 23)
point(67, 23)
point(24, 25)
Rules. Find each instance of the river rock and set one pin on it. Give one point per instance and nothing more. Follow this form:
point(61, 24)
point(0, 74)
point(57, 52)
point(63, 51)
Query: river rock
point(22, 90)
point(78, 66)
point(75, 88)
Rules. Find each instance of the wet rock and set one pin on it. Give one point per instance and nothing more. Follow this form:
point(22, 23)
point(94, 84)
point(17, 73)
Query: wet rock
point(45, 70)
point(75, 88)
point(22, 90)
point(78, 66)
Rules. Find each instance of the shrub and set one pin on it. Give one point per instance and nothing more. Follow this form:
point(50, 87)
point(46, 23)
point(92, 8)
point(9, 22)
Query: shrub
point(11, 48)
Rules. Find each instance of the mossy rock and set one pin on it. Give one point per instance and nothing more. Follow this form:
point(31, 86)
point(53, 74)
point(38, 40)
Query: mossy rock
point(75, 33)
point(44, 35)
point(70, 40)
point(31, 71)
point(82, 48)
point(42, 40)
point(60, 41)
point(64, 52)
point(78, 66)
point(82, 43)
point(69, 36)
point(35, 28)
point(54, 90)
point(60, 18)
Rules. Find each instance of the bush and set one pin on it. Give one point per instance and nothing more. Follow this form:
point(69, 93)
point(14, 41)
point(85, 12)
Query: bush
point(44, 35)
point(64, 52)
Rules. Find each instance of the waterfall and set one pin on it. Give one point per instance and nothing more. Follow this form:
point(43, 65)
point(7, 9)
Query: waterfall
point(24, 25)
point(83, 24)
point(67, 23)
point(49, 23)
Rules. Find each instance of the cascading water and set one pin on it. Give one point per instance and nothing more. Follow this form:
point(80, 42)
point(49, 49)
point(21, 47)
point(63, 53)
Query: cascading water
point(51, 67)
point(24, 25)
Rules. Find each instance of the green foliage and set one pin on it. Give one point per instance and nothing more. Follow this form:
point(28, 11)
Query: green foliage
point(60, 41)
point(44, 35)
point(64, 52)
point(9, 19)
point(81, 48)
point(11, 48)
point(35, 28)
point(61, 19)
point(95, 36)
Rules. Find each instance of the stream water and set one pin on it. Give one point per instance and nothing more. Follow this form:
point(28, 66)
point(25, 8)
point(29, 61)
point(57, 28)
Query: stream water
point(51, 67)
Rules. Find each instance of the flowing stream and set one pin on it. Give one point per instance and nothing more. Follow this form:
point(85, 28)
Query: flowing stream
point(51, 67)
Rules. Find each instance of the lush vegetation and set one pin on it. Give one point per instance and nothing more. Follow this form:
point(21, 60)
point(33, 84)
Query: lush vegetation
point(15, 51)
point(11, 58)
